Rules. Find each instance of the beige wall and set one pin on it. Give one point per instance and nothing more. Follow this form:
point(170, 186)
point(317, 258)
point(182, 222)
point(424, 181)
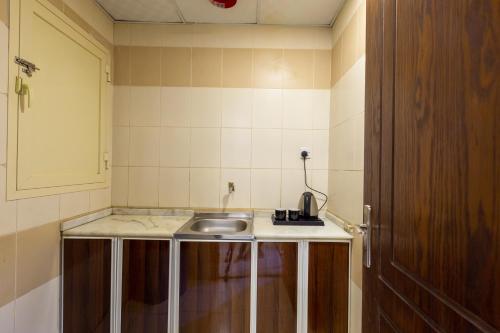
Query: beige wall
point(197, 106)
point(347, 133)
point(29, 228)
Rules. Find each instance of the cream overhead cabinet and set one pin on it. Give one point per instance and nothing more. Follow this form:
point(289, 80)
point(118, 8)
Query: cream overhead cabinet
point(58, 103)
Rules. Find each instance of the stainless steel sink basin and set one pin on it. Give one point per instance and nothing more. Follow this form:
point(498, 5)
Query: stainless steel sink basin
point(217, 226)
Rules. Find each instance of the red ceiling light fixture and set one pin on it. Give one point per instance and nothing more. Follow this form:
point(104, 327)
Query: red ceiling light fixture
point(224, 3)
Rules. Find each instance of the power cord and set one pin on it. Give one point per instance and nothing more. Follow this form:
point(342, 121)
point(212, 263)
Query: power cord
point(304, 155)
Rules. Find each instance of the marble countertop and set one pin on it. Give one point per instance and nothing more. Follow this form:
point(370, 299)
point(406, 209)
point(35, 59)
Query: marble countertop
point(130, 226)
point(151, 226)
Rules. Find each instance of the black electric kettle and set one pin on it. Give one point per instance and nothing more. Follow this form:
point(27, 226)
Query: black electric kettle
point(308, 206)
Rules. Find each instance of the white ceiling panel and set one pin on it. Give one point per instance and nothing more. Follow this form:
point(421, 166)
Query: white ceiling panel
point(298, 12)
point(202, 11)
point(141, 10)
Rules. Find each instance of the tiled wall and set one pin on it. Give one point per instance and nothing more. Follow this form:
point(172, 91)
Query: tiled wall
point(197, 106)
point(29, 228)
point(347, 133)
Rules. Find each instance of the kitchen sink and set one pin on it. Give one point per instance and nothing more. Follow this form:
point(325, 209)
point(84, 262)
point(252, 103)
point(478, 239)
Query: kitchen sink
point(217, 226)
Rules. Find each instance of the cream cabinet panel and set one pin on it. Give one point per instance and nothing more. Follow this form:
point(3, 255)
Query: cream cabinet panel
point(60, 110)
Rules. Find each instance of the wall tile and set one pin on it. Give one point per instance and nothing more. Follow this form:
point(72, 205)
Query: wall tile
point(208, 35)
point(322, 69)
point(206, 107)
point(205, 147)
point(361, 16)
point(236, 145)
point(119, 186)
point(319, 153)
point(238, 36)
point(297, 109)
point(34, 212)
point(121, 34)
point(268, 68)
point(4, 12)
point(349, 45)
point(145, 106)
point(7, 317)
point(121, 139)
point(292, 187)
point(8, 214)
point(298, 69)
point(293, 140)
point(121, 56)
point(207, 67)
point(121, 105)
point(174, 187)
point(8, 244)
point(347, 195)
point(319, 182)
point(266, 148)
point(100, 199)
point(266, 188)
point(38, 311)
point(143, 187)
point(178, 35)
point(342, 150)
point(267, 108)
point(237, 68)
point(176, 67)
point(321, 108)
point(358, 128)
point(147, 34)
point(73, 204)
point(176, 104)
point(38, 253)
point(336, 66)
point(237, 107)
point(175, 147)
point(240, 198)
point(144, 146)
point(145, 66)
point(204, 188)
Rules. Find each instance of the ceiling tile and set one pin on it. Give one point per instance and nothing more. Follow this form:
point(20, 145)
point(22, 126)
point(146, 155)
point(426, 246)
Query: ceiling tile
point(202, 11)
point(294, 12)
point(141, 10)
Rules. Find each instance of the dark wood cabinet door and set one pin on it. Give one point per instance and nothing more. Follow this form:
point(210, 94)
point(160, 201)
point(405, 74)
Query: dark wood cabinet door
point(145, 280)
point(433, 171)
point(87, 285)
point(214, 293)
point(328, 288)
point(277, 287)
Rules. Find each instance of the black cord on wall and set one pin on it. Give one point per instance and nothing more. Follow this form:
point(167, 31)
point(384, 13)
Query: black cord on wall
point(304, 157)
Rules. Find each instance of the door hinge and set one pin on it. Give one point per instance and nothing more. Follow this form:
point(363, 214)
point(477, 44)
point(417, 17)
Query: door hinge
point(108, 73)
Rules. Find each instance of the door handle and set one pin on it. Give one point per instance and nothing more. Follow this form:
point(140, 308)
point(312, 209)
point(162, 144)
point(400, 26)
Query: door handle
point(22, 89)
point(366, 231)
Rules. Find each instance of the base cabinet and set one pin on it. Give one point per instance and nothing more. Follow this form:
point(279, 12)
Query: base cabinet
point(87, 279)
point(145, 286)
point(277, 279)
point(123, 285)
point(328, 287)
point(214, 287)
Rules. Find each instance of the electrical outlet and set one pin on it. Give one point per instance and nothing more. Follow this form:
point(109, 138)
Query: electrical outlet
point(307, 150)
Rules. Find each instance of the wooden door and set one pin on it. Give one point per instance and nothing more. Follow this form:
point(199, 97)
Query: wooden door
point(87, 286)
point(432, 166)
point(145, 282)
point(214, 292)
point(328, 288)
point(277, 278)
point(57, 125)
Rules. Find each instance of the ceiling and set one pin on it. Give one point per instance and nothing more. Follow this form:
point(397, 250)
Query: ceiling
point(286, 12)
